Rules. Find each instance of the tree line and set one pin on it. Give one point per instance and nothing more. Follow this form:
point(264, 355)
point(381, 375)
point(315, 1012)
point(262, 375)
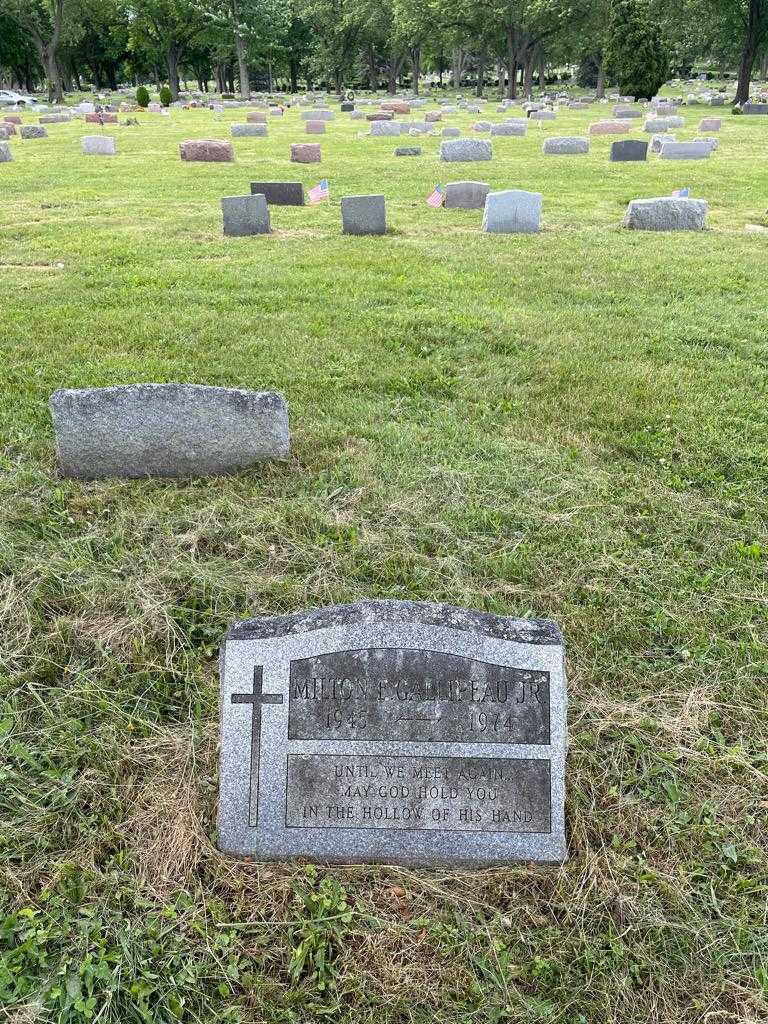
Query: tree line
point(239, 45)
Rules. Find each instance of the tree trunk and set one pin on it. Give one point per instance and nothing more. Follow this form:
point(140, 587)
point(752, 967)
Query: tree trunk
point(172, 58)
point(440, 69)
point(749, 51)
point(242, 66)
point(416, 67)
point(481, 58)
point(395, 63)
point(458, 64)
point(293, 71)
point(528, 75)
point(271, 80)
point(542, 72)
point(55, 91)
point(764, 67)
point(600, 91)
point(373, 74)
point(511, 65)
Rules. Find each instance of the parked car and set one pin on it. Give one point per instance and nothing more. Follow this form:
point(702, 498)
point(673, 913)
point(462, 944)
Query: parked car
point(9, 98)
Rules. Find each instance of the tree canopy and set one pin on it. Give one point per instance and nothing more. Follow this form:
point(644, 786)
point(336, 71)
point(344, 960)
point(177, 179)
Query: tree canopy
point(240, 45)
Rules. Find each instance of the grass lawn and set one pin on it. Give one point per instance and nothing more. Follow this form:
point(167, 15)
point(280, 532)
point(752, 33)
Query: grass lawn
point(571, 425)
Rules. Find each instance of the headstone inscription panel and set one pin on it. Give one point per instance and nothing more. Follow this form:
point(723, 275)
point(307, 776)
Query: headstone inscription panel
point(393, 732)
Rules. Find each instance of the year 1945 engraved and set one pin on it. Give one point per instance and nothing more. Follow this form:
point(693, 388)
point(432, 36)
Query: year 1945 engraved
point(345, 719)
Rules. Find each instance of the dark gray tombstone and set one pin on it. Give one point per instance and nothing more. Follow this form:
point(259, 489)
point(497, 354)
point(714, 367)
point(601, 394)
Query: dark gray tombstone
point(279, 193)
point(245, 215)
point(393, 732)
point(629, 150)
point(363, 215)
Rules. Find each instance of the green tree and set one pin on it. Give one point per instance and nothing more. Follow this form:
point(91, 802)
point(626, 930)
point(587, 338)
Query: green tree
point(18, 57)
point(169, 27)
point(43, 21)
point(635, 53)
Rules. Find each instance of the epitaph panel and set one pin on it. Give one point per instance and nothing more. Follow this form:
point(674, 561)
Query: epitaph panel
point(393, 732)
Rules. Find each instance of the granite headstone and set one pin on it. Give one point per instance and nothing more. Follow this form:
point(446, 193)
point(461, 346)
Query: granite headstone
point(166, 430)
point(393, 732)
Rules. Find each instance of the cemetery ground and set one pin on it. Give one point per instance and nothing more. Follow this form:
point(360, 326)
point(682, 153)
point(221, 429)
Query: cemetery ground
point(569, 425)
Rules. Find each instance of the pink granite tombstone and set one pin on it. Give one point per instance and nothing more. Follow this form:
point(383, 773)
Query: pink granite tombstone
point(207, 151)
point(305, 152)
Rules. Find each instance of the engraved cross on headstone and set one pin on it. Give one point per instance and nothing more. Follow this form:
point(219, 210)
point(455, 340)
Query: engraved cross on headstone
point(256, 699)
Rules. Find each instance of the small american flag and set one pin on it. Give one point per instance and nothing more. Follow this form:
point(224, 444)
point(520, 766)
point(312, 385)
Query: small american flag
point(681, 193)
point(437, 198)
point(320, 191)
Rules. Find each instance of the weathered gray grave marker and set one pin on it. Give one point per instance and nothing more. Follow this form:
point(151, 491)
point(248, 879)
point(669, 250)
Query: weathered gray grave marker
point(394, 732)
point(168, 430)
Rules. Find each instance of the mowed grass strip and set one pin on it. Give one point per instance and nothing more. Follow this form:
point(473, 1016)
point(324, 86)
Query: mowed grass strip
point(570, 425)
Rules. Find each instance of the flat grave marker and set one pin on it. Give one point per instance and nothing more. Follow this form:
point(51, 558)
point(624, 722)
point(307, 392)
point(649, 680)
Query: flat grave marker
point(393, 732)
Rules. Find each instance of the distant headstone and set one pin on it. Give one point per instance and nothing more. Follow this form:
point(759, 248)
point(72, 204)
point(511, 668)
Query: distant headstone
point(256, 117)
point(166, 430)
point(710, 124)
point(543, 115)
point(654, 125)
point(666, 214)
point(408, 151)
point(98, 145)
point(5, 153)
point(685, 151)
point(248, 129)
point(12, 119)
point(314, 127)
point(207, 151)
point(363, 215)
point(33, 131)
point(305, 152)
point(627, 112)
point(466, 150)
point(513, 211)
point(279, 193)
point(347, 108)
point(104, 117)
point(513, 127)
point(610, 127)
point(451, 132)
point(481, 126)
point(245, 215)
point(628, 150)
point(657, 141)
point(754, 108)
point(566, 145)
point(385, 129)
point(54, 119)
point(393, 732)
point(466, 195)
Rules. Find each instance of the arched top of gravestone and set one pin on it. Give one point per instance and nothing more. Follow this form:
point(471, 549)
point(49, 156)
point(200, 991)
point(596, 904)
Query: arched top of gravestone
point(429, 613)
